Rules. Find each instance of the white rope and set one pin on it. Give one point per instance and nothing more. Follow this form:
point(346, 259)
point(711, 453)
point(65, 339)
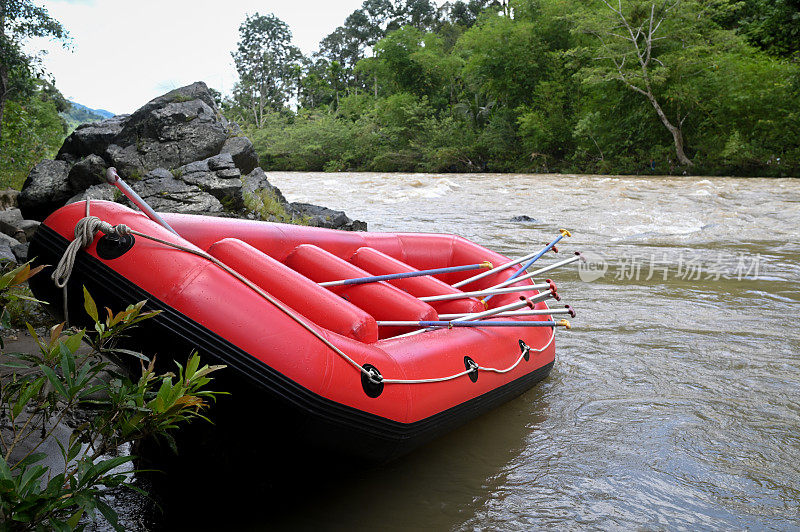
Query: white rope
point(85, 230)
point(479, 368)
point(87, 227)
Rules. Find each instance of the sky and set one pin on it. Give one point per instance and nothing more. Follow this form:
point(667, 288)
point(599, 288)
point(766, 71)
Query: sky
point(126, 52)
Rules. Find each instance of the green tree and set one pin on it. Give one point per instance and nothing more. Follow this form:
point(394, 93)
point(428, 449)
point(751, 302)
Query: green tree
point(641, 44)
point(265, 60)
point(19, 21)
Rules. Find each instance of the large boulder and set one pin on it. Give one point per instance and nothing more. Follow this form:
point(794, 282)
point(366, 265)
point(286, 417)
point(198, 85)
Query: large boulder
point(243, 153)
point(180, 154)
point(45, 189)
point(92, 138)
point(163, 192)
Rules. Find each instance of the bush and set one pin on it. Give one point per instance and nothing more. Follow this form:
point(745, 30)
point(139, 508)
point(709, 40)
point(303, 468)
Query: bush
point(62, 381)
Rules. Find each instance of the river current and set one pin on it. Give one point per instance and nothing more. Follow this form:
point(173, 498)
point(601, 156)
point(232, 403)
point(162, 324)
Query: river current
point(674, 402)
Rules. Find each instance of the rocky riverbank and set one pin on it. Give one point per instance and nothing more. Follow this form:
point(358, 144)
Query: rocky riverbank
point(177, 151)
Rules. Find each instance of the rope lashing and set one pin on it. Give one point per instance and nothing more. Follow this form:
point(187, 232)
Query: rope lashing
point(87, 227)
point(85, 230)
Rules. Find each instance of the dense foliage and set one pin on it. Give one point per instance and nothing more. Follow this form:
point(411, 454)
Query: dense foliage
point(30, 128)
point(538, 85)
point(45, 490)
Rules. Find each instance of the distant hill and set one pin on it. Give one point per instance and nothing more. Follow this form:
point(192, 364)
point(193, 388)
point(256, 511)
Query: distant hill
point(80, 114)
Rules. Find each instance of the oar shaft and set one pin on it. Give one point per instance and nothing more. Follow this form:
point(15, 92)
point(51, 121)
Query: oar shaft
point(515, 313)
point(482, 293)
point(525, 302)
point(541, 271)
point(544, 250)
point(494, 270)
point(113, 178)
point(406, 275)
point(449, 324)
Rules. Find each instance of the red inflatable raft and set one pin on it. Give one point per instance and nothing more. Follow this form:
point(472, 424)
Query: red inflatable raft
point(317, 354)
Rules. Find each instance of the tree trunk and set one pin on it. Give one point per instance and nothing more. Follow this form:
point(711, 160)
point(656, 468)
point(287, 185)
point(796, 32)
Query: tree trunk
point(677, 134)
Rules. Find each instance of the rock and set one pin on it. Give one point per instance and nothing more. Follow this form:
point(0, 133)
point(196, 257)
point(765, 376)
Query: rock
point(179, 153)
point(216, 175)
point(93, 138)
point(172, 130)
point(10, 220)
point(258, 196)
point(87, 172)
point(243, 153)
point(97, 192)
point(6, 254)
point(45, 190)
point(28, 229)
point(7, 243)
point(165, 193)
point(20, 251)
point(12, 224)
point(317, 216)
point(8, 198)
point(523, 218)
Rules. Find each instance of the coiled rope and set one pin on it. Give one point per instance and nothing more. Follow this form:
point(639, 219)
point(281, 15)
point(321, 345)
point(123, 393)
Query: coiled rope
point(87, 228)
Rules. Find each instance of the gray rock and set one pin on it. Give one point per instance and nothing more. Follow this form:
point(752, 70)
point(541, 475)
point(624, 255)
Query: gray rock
point(523, 218)
point(216, 175)
point(258, 196)
point(87, 172)
point(26, 230)
point(6, 254)
point(12, 224)
point(172, 130)
point(8, 198)
point(166, 194)
point(97, 192)
point(91, 138)
point(317, 216)
point(10, 220)
point(214, 169)
point(45, 190)
point(8, 240)
point(20, 251)
point(243, 153)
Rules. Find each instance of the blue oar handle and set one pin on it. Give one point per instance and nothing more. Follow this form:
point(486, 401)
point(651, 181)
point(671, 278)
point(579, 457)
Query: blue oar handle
point(527, 265)
point(405, 275)
point(484, 323)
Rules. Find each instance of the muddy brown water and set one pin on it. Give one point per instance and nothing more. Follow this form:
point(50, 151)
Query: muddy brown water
point(674, 402)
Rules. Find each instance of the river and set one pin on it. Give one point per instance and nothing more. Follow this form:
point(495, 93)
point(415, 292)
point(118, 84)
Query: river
point(675, 399)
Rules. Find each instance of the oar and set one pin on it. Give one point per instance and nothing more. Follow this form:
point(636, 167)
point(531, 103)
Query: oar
point(510, 314)
point(113, 178)
point(498, 269)
point(578, 256)
point(524, 302)
point(405, 275)
point(519, 272)
point(450, 324)
point(492, 292)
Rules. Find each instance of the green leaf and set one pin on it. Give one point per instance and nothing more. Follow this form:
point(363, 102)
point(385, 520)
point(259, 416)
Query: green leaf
point(89, 305)
point(109, 514)
point(30, 459)
point(75, 519)
point(5, 472)
point(54, 380)
point(131, 353)
point(31, 389)
point(15, 365)
point(73, 342)
point(61, 526)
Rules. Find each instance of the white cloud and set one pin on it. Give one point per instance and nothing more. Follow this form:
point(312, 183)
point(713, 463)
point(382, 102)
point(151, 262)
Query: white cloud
point(128, 52)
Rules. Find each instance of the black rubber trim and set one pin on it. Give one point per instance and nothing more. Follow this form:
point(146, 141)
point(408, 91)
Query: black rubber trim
point(111, 289)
